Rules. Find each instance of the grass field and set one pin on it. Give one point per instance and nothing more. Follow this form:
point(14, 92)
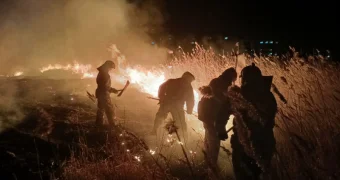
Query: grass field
point(47, 125)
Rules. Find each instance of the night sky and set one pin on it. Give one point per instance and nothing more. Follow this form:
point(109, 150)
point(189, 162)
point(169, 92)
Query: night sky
point(302, 22)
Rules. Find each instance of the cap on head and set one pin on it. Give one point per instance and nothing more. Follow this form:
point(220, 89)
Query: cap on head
point(229, 75)
point(251, 70)
point(187, 75)
point(250, 74)
point(109, 64)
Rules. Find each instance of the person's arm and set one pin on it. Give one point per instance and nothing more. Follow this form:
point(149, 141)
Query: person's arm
point(162, 91)
point(108, 85)
point(190, 100)
point(113, 90)
point(222, 119)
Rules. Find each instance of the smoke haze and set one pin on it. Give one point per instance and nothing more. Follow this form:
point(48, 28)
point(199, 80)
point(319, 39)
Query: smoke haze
point(35, 33)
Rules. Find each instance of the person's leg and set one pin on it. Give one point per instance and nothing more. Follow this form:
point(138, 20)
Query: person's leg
point(110, 112)
point(100, 112)
point(178, 115)
point(211, 144)
point(160, 116)
point(239, 160)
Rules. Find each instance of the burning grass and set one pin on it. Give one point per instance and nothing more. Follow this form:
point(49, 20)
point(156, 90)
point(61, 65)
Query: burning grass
point(307, 130)
point(307, 126)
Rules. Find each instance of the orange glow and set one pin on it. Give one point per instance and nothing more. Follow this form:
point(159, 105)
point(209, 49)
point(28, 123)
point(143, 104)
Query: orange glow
point(145, 80)
point(19, 73)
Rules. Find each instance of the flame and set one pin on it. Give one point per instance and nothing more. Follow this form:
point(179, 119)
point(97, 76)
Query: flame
point(18, 73)
point(84, 69)
point(146, 80)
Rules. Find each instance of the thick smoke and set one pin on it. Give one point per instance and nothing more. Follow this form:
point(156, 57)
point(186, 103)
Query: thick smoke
point(35, 33)
point(10, 114)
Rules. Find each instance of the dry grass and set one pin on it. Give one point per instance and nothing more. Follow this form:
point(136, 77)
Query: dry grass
point(307, 130)
point(110, 161)
point(118, 155)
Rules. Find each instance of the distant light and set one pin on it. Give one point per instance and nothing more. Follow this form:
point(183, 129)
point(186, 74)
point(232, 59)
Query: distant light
point(153, 43)
point(276, 42)
point(266, 42)
point(225, 38)
point(270, 53)
point(261, 42)
point(271, 42)
point(270, 49)
point(328, 56)
point(193, 42)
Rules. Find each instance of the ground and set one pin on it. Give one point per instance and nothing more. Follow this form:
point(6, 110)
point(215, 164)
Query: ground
point(53, 135)
point(47, 125)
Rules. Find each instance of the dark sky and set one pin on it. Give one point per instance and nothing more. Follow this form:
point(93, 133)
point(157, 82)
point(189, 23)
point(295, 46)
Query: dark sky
point(312, 23)
point(301, 21)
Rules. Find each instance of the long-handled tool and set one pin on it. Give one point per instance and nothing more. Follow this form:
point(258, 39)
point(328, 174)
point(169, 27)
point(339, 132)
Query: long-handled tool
point(153, 98)
point(126, 85)
point(93, 97)
point(157, 99)
point(231, 128)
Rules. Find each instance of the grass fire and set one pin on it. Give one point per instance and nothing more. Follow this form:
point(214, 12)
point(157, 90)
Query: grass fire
point(56, 137)
point(145, 89)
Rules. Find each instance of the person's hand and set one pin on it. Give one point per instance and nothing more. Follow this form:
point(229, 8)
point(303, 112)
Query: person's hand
point(160, 101)
point(223, 135)
point(189, 112)
point(115, 91)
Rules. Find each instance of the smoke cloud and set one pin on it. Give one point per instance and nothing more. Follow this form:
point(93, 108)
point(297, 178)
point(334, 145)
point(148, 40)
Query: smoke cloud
point(35, 33)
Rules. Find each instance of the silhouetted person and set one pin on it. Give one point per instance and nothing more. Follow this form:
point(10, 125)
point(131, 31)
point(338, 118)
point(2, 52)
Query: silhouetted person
point(103, 94)
point(173, 94)
point(253, 141)
point(213, 104)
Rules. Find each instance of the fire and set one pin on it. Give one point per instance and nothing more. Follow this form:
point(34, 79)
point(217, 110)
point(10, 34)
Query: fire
point(148, 81)
point(76, 68)
point(18, 73)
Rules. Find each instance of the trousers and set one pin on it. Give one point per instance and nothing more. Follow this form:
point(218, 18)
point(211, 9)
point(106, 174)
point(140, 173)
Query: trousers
point(211, 143)
point(177, 114)
point(105, 106)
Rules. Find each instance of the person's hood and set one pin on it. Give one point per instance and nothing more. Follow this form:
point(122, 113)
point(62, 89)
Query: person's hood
point(103, 68)
point(106, 66)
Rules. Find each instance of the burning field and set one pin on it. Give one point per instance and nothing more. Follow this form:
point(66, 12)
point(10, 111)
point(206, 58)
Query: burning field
point(47, 124)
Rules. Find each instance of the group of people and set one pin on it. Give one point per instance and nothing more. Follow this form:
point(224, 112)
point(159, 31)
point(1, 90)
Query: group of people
point(252, 104)
point(254, 108)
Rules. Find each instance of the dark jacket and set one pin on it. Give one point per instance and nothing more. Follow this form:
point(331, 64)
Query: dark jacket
point(104, 83)
point(177, 91)
point(215, 109)
point(218, 87)
point(254, 122)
